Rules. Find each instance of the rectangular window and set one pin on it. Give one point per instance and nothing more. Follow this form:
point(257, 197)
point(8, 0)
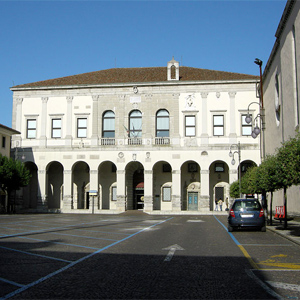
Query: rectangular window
point(56, 128)
point(218, 125)
point(190, 126)
point(219, 167)
point(31, 129)
point(81, 127)
point(166, 194)
point(3, 142)
point(246, 128)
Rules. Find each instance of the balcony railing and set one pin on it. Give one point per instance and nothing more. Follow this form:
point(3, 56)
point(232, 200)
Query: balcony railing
point(108, 142)
point(162, 141)
point(135, 141)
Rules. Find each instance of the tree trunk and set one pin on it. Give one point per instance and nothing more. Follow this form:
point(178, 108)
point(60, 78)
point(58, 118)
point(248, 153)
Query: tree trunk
point(271, 207)
point(284, 206)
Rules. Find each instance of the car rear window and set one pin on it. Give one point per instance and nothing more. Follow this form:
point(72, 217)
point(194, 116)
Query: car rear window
point(245, 205)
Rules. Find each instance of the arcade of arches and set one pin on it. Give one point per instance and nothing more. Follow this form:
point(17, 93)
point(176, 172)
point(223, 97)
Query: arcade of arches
point(159, 189)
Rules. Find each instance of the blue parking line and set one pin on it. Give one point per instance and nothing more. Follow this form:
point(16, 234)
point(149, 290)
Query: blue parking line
point(59, 243)
point(35, 254)
point(45, 230)
point(230, 234)
point(82, 236)
point(11, 282)
point(77, 261)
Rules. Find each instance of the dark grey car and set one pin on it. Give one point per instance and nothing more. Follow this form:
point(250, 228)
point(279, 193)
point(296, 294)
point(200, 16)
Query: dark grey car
point(246, 213)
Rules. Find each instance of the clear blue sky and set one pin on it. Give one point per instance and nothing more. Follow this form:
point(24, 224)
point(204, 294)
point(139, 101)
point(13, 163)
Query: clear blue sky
point(48, 39)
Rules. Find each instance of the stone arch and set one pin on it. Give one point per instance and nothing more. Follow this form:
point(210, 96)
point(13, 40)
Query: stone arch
point(218, 173)
point(134, 181)
point(106, 177)
point(190, 173)
point(162, 173)
point(81, 184)
point(54, 184)
point(30, 192)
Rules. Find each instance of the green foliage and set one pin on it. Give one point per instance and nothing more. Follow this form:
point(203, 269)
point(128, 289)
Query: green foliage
point(250, 182)
point(278, 171)
point(235, 190)
point(13, 174)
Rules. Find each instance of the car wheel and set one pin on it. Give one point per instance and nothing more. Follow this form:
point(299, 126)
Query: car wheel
point(263, 229)
point(230, 228)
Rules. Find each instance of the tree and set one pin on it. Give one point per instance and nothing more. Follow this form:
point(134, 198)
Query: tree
point(288, 169)
point(235, 190)
point(13, 175)
point(249, 181)
point(267, 177)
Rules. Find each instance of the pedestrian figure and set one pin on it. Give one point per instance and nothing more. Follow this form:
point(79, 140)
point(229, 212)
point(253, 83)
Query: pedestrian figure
point(216, 202)
point(220, 204)
point(226, 202)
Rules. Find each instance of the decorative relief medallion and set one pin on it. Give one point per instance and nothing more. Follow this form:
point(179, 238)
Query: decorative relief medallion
point(218, 94)
point(121, 154)
point(135, 89)
point(189, 101)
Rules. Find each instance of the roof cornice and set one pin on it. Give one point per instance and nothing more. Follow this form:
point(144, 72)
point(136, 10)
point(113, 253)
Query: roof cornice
point(130, 84)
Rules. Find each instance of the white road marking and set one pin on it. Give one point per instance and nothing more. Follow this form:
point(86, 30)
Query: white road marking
point(195, 221)
point(285, 286)
point(172, 250)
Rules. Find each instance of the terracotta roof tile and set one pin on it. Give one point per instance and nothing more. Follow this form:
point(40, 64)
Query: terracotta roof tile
point(135, 75)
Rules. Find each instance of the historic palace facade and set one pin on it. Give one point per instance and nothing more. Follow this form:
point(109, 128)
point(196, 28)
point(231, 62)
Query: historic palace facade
point(155, 139)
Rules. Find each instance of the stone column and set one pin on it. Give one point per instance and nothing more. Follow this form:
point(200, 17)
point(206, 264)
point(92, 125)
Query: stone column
point(17, 123)
point(94, 139)
point(94, 186)
point(204, 197)
point(67, 194)
point(148, 190)
point(233, 176)
point(176, 190)
point(232, 118)
point(44, 119)
point(204, 134)
point(121, 190)
point(69, 121)
point(42, 203)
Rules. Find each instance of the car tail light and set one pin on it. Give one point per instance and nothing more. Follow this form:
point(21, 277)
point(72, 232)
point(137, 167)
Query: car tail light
point(232, 213)
point(261, 213)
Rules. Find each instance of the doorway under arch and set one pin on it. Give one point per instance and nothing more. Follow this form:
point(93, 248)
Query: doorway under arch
point(135, 186)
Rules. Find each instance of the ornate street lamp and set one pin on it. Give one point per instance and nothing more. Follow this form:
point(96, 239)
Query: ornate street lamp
point(231, 154)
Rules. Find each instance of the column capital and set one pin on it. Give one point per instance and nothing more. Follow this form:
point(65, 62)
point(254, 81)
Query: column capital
point(19, 100)
point(231, 94)
point(204, 95)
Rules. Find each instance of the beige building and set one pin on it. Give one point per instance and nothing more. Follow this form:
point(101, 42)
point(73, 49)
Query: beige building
point(281, 92)
point(5, 139)
point(155, 139)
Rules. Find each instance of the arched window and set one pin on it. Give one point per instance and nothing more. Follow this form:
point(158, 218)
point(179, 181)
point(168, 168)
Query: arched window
point(135, 124)
point(108, 128)
point(162, 123)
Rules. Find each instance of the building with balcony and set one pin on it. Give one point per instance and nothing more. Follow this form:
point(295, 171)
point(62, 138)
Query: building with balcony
point(155, 139)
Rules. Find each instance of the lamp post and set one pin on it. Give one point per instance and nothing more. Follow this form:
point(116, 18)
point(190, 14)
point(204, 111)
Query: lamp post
point(231, 154)
point(262, 110)
point(262, 117)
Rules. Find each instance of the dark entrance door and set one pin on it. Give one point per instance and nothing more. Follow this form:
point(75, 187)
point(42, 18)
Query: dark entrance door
point(138, 189)
point(219, 191)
